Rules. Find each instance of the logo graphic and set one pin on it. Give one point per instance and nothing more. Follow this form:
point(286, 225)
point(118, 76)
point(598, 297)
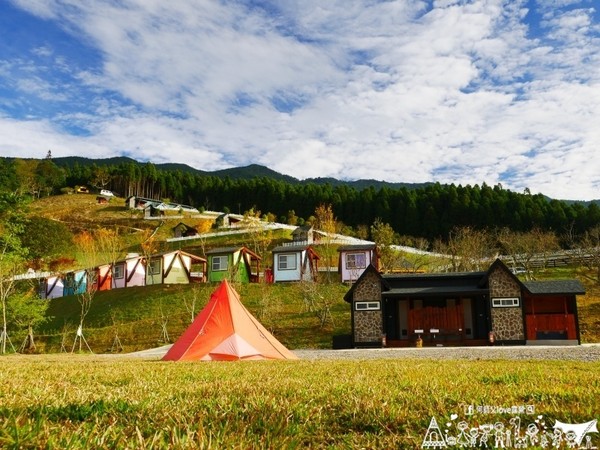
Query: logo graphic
point(512, 434)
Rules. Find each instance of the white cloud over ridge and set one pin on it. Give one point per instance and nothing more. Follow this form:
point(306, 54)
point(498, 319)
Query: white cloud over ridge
point(462, 92)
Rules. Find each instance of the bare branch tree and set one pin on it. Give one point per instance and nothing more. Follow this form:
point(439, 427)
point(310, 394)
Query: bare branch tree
point(318, 300)
point(88, 247)
point(327, 223)
point(588, 253)
point(468, 249)
point(529, 250)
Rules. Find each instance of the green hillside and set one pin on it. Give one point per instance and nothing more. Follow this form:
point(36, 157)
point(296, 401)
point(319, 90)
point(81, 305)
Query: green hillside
point(298, 315)
point(136, 315)
point(292, 311)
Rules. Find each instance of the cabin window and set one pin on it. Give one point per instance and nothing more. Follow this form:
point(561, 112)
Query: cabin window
point(505, 302)
point(119, 271)
point(286, 262)
point(367, 306)
point(154, 267)
point(219, 263)
point(356, 261)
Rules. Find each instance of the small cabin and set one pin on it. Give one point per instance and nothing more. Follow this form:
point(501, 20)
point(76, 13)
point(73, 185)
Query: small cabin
point(293, 262)
point(304, 233)
point(354, 259)
point(52, 287)
point(184, 230)
point(233, 263)
point(176, 267)
point(129, 272)
point(103, 277)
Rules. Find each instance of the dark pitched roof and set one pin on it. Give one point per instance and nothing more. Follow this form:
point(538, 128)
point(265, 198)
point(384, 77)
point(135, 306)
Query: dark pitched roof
point(430, 284)
point(290, 248)
point(555, 287)
point(349, 248)
point(428, 291)
point(218, 250)
point(184, 226)
point(370, 269)
point(390, 277)
point(304, 228)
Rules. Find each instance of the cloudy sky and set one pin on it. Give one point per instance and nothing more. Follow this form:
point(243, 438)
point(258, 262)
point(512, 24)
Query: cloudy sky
point(455, 91)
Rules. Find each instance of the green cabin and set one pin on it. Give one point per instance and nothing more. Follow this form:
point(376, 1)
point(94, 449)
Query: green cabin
point(233, 263)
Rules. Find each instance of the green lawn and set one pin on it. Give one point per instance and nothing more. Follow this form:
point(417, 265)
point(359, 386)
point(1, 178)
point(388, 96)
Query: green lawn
point(78, 401)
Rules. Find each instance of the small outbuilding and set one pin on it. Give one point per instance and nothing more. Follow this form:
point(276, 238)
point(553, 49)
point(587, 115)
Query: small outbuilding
point(293, 262)
point(304, 233)
point(75, 283)
point(129, 272)
point(52, 286)
point(184, 230)
point(176, 267)
point(474, 308)
point(354, 259)
point(233, 263)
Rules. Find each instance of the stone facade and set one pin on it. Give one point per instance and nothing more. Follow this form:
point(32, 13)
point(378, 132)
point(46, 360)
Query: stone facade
point(507, 323)
point(368, 325)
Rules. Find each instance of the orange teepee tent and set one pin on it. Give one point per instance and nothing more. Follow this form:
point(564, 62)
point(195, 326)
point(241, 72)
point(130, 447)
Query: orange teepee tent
point(224, 331)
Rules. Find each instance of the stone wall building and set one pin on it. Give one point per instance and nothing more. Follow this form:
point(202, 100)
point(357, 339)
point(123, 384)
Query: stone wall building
point(474, 308)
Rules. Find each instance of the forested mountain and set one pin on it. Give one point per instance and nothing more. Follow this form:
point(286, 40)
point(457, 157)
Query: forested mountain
point(236, 173)
point(428, 211)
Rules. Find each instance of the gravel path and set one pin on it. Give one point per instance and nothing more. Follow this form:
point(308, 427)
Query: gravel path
point(585, 352)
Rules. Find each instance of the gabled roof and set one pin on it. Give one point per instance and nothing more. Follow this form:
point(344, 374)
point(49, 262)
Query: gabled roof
point(230, 250)
point(303, 229)
point(572, 287)
point(356, 247)
point(369, 270)
point(181, 252)
point(499, 264)
point(184, 226)
point(543, 287)
point(291, 248)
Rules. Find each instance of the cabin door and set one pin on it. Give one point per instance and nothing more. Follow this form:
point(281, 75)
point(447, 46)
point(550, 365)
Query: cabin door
point(444, 315)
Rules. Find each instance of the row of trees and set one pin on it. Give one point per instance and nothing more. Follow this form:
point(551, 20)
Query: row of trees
point(430, 212)
point(470, 249)
point(32, 242)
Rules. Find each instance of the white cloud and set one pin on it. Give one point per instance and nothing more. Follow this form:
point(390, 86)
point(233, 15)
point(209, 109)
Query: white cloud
point(460, 91)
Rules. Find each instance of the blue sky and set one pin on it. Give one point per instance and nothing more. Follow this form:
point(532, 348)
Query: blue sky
point(455, 91)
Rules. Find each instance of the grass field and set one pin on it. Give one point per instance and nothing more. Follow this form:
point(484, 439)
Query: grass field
point(79, 401)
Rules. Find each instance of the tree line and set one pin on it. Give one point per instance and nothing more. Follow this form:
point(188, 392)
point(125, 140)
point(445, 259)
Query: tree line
point(430, 212)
